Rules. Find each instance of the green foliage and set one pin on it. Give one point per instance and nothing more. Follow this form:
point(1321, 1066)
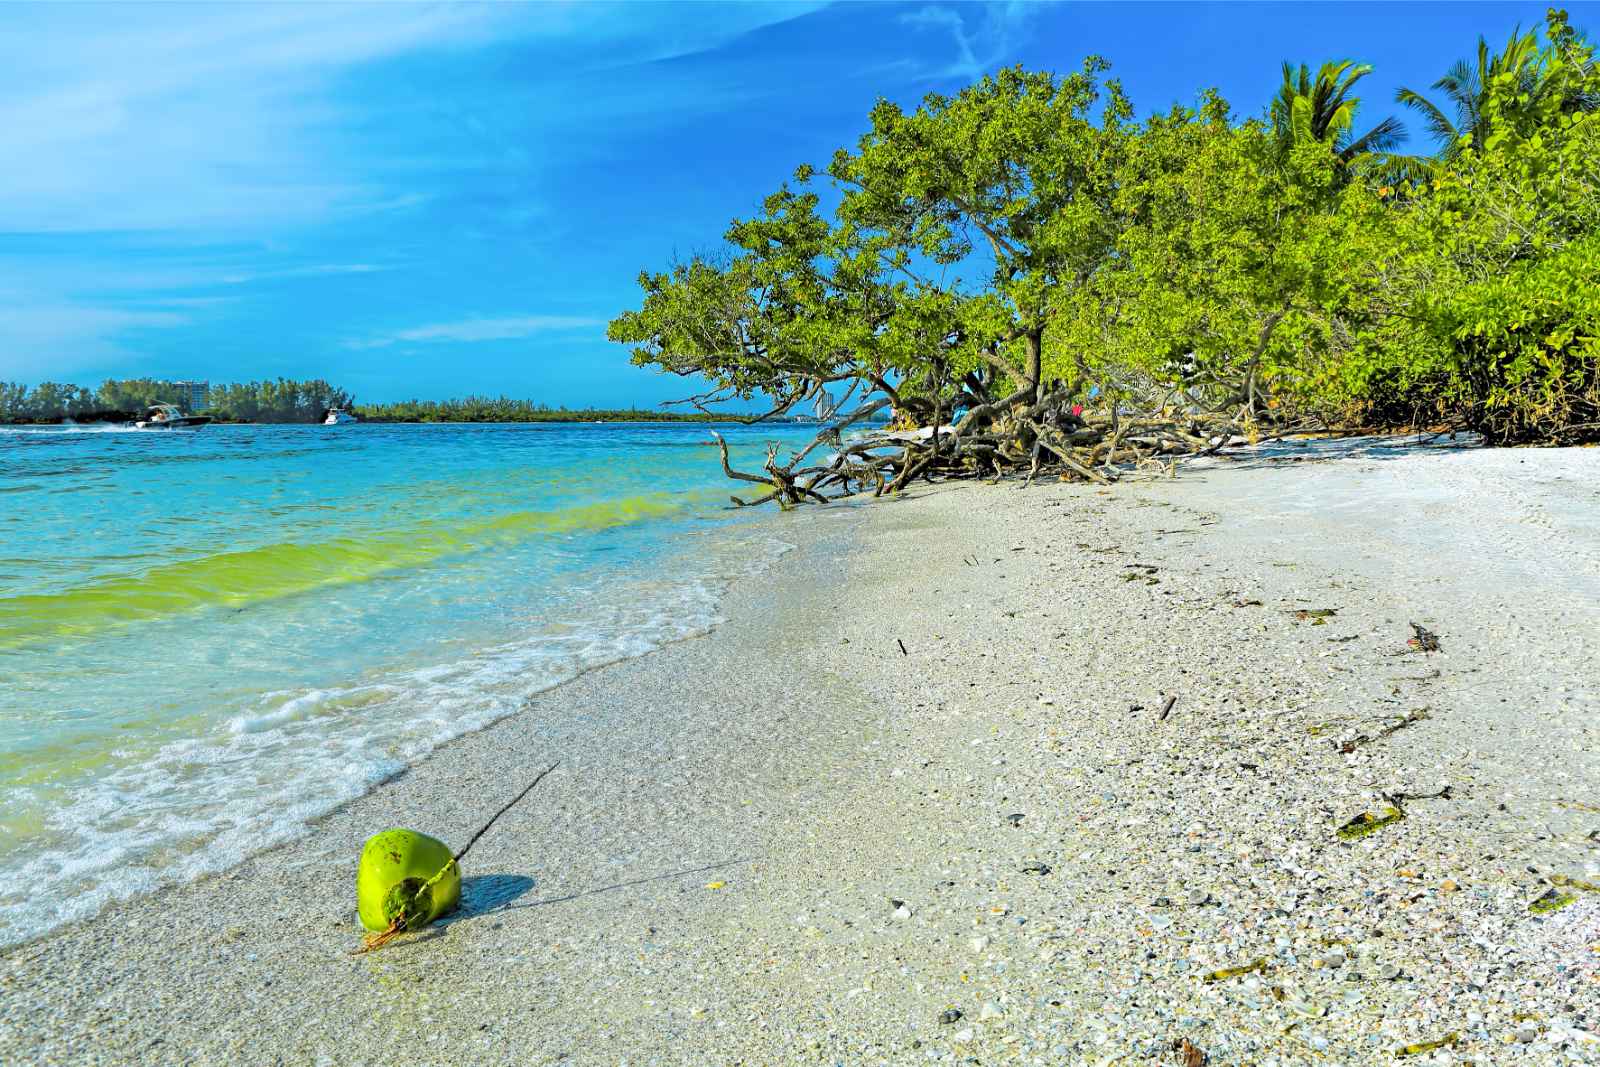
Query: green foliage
point(1510, 93)
point(48, 400)
point(963, 230)
point(1322, 111)
point(286, 401)
point(281, 400)
point(1027, 232)
point(135, 395)
point(1489, 274)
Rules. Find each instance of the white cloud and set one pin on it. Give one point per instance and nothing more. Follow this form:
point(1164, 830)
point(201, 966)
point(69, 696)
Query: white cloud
point(239, 117)
point(170, 156)
point(134, 117)
point(478, 329)
point(318, 270)
point(983, 45)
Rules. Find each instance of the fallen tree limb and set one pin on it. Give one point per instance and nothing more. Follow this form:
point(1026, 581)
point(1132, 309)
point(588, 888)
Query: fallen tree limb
point(1029, 432)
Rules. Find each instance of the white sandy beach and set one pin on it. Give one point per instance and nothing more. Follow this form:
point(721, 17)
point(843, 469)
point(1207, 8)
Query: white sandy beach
point(790, 842)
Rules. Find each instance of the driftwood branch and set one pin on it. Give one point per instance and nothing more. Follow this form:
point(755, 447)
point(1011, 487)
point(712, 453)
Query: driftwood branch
point(1036, 429)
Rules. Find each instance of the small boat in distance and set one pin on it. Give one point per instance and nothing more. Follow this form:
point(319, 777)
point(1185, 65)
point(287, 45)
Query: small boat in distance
point(168, 417)
point(338, 417)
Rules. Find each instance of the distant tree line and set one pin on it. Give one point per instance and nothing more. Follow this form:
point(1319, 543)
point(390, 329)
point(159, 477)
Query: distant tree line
point(279, 400)
point(505, 409)
point(284, 400)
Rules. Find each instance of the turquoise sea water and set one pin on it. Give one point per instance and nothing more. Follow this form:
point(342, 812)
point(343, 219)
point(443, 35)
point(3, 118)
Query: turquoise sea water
point(209, 638)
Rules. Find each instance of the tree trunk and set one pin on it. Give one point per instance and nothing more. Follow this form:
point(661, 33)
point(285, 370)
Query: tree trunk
point(1035, 348)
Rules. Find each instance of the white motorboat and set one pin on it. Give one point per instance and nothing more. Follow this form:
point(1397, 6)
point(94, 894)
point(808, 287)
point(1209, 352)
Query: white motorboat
point(168, 417)
point(338, 417)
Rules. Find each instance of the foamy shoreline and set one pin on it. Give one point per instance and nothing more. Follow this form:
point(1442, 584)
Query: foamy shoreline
point(790, 842)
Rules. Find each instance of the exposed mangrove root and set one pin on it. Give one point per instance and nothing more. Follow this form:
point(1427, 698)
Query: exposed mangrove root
point(1024, 434)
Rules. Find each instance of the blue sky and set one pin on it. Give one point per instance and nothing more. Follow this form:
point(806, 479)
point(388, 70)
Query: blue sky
point(434, 200)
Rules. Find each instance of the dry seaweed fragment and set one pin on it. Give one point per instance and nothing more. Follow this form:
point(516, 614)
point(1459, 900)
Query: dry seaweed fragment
point(1574, 883)
point(1259, 964)
point(1315, 616)
point(1367, 823)
point(1419, 1047)
point(1551, 900)
point(1424, 641)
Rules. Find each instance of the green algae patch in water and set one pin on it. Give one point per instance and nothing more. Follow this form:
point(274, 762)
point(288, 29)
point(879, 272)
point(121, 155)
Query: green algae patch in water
point(1368, 823)
point(246, 577)
point(405, 876)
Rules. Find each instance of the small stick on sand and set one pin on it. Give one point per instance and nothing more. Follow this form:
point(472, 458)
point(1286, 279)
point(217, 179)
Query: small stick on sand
point(1167, 708)
point(473, 840)
point(1397, 799)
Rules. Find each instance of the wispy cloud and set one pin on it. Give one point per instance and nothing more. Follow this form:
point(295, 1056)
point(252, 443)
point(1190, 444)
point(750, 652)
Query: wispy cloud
point(477, 329)
point(154, 117)
point(316, 270)
point(982, 36)
point(232, 116)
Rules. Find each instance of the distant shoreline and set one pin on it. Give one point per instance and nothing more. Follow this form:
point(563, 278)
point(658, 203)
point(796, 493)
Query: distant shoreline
point(580, 416)
point(286, 402)
point(123, 418)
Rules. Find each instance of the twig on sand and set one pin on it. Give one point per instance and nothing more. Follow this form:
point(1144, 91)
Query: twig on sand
point(1166, 709)
point(1350, 744)
point(473, 840)
point(902, 645)
point(1397, 799)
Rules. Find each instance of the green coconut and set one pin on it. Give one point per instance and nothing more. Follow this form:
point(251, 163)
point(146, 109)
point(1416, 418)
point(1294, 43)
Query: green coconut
point(405, 876)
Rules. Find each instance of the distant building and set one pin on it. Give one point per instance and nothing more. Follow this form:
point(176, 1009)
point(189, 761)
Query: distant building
point(192, 395)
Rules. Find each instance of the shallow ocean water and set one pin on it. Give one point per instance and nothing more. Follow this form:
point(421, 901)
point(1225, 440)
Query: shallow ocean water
point(208, 639)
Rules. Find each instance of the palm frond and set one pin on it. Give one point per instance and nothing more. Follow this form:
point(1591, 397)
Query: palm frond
point(1300, 120)
point(1338, 121)
point(1439, 125)
point(1383, 137)
point(1397, 169)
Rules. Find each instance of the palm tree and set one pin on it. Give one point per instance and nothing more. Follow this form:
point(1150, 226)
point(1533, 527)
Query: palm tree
point(1521, 64)
point(1321, 109)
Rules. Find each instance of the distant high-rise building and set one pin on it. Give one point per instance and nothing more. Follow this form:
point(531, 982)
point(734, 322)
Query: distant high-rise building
point(193, 395)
